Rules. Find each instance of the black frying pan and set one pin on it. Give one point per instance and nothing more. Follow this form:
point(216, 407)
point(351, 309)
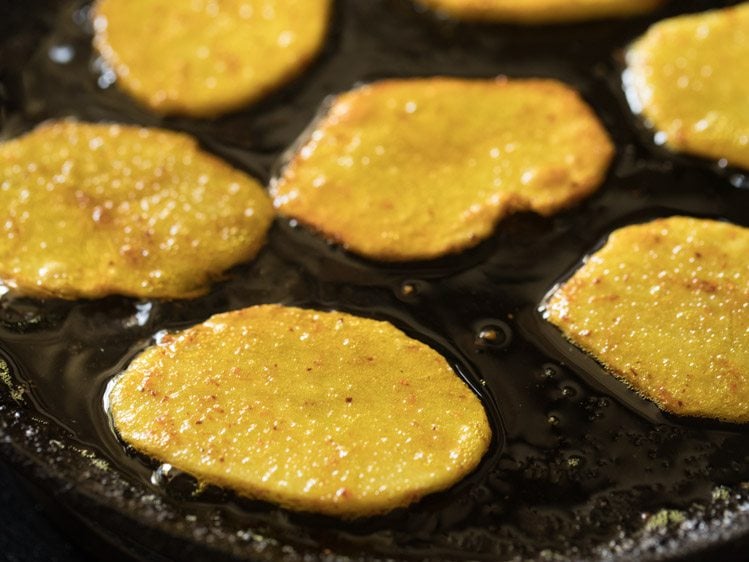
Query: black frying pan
point(580, 468)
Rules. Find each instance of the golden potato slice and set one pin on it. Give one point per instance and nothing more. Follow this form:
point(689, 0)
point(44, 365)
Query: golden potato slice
point(415, 169)
point(665, 307)
point(540, 11)
point(687, 75)
point(316, 411)
point(91, 210)
point(206, 57)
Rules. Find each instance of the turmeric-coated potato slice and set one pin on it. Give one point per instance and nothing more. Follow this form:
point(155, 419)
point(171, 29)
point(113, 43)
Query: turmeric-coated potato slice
point(206, 57)
point(665, 307)
point(415, 169)
point(315, 411)
point(688, 78)
point(541, 11)
point(91, 210)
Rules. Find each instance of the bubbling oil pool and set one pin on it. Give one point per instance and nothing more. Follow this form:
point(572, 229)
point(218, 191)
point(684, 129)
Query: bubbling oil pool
point(578, 460)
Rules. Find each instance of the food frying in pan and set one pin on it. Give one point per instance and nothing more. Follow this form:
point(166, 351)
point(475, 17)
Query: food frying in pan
point(316, 411)
point(687, 76)
point(665, 307)
point(541, 11)
point(96, 209)
point(203, 58)
point(399, 170)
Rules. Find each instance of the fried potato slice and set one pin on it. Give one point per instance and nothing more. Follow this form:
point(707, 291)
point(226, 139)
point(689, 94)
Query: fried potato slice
point(541, 11)
point(91, 210)
point(315, 411)
point(665, 307)
point(687, 76)
point(203, 57)
point(415, 169)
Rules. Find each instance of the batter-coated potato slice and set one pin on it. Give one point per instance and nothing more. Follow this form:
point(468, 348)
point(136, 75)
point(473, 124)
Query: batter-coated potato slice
point(541, 11)
point(416, 169)
point(206, 57)
point(665, 307)
point(315, 411)
point(687, 76)
point(94, 209)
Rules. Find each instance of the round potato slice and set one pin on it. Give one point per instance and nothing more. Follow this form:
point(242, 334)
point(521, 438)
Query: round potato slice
point(665, 307)
point(687, 76)
point(91, 210)
point(541, 11)
point(204, 57)
point(415, 169)
point(316, 411)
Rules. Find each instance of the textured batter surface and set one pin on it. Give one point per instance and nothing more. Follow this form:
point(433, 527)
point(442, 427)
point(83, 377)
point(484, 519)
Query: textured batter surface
point(665, 306)
point(688, 77)
point(91, 210)
point(205, 57)
point(316, 411)
point(541, 11)
point(415, 169)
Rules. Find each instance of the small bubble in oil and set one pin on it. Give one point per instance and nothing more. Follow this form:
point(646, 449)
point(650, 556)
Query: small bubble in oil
point(141, 316)
point(61, 54)
point(569, 392)
point(82, 16)
point(740, 181)
point(174, 482)
point(106, 76)
point(497, 335)
point(553, 420)
point(550, 371)
point(409, 289)
point(575, 461)
point(162, 475)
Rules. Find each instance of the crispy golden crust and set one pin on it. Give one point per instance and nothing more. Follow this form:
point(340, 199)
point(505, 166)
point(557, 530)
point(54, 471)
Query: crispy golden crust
point(203, 58)
point(687, 76)
point(92, 210)
point(316, 411)
point(665, 307)
point(541, 11)
point(416, 169)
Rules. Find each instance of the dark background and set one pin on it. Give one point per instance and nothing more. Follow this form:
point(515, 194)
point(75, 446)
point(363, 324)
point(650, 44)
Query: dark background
point(26, 533)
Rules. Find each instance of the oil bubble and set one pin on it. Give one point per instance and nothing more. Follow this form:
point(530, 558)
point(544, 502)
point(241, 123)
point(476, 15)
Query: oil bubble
point(105, 75)
point(61, 54)
point(410, 289)
point(575, 461)
point(740, 181)
point(497, 335)
point(569, 392)
point(550, 370)
point(162, 475)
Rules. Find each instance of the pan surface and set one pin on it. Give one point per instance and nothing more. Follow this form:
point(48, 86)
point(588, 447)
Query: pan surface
point(580, 467)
